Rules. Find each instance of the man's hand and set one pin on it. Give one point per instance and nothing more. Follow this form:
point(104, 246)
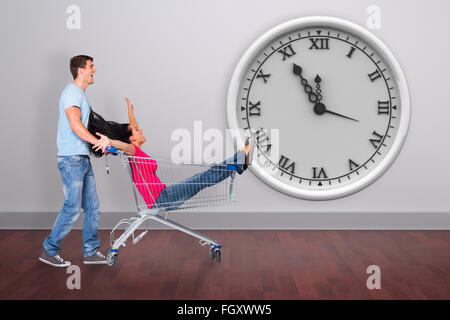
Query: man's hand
point(102, 143)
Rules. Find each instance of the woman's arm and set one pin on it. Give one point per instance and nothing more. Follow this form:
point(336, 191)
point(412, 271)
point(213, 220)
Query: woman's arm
point(105, 141)
point(126, 147)
point(131, 117)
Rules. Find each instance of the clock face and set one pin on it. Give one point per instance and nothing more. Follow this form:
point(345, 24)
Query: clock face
point(327, 103)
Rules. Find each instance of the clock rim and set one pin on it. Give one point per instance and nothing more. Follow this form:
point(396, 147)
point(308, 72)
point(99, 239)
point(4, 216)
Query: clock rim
point(396, 73)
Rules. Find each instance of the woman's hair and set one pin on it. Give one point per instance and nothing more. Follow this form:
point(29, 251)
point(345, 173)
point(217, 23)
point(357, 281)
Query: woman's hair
point(111, 129)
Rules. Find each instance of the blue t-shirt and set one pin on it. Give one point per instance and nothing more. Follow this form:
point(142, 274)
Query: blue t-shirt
point(68, 142)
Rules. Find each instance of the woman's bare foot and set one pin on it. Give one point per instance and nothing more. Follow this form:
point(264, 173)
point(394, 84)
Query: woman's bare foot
point(246, 149)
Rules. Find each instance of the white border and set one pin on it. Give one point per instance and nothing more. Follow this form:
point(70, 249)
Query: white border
point(352, 29)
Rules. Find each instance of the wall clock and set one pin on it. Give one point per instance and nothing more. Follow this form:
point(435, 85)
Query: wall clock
point(338, 98)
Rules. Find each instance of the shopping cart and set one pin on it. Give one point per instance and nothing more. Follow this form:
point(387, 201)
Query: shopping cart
point(169, 173)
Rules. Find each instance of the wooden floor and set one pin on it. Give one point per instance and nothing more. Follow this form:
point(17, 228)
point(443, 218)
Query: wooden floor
point(255, 265)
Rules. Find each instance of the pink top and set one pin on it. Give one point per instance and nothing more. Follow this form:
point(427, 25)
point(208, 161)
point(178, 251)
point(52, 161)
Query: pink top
point(143, 172)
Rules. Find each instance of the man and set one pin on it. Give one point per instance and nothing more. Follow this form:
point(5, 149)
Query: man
point(76, 171)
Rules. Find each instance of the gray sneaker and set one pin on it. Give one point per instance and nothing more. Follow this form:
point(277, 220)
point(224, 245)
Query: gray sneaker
point(55, 261)
point(97, 258)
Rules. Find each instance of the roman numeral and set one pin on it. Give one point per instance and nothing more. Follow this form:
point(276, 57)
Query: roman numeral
point(319, 43)
point(383, 107)
point(349, 55)
point(255, 109)
point(263, 140)
point(321, 174)
point(374, 75)
point(376, 142)
point(263, 76)
point(284, 163)
point(285, 52)
point(352, 164)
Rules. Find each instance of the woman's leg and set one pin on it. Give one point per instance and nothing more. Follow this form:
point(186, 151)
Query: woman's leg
point(175, 195)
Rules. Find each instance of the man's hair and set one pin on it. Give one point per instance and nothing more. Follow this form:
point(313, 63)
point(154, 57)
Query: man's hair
point(111, 129)
point(78, 62)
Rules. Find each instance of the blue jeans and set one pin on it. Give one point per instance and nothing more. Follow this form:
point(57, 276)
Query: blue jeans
point(173, 196)
point(79, 192)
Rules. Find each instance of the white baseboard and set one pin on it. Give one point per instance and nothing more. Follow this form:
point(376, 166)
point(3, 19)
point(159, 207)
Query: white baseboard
point(253, 220)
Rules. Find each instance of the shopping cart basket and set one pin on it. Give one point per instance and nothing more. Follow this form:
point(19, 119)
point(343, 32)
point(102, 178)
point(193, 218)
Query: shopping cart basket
point(211, 194)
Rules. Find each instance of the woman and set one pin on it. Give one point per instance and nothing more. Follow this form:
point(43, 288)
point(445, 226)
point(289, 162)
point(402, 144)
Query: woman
point(129, 138)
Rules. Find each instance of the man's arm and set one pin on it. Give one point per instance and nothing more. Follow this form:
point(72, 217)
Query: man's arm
point(74, 115)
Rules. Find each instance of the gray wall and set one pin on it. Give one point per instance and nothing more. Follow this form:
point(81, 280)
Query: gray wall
point(174, 59)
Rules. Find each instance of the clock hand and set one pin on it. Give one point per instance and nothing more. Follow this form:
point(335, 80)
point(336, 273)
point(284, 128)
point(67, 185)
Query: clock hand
point(340, 115)
point(317, 80)
point(308, 89)
point(319, 109)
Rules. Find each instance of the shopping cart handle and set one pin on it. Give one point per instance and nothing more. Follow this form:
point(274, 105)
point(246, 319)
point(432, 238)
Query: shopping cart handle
point(113, 150)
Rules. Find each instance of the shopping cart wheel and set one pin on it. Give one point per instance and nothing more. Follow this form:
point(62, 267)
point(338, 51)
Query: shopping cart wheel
point(217, 253)
point(111, 257)
point(212, 252)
